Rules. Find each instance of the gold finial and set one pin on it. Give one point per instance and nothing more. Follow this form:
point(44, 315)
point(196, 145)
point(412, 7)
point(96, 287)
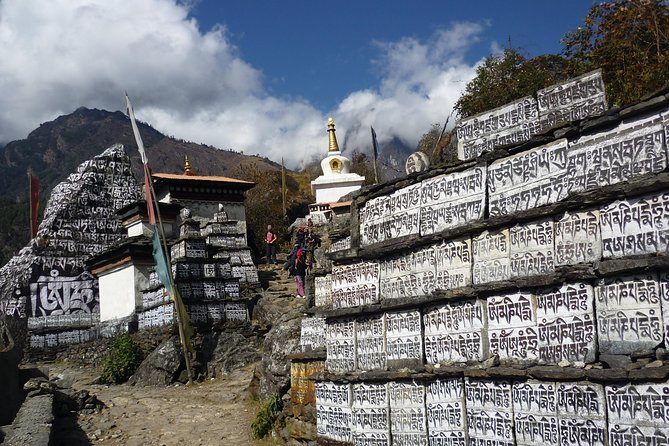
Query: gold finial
point(188, 170)
point(333, 146)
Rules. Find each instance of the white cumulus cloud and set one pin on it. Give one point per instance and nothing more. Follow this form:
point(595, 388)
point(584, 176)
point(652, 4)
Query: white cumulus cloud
point(61, 54)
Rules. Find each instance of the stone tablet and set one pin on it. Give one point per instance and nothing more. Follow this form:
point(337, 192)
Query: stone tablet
point(577, 238)
point(407, 413)
point(371, 343)
point(527, 180)
point(511, 310)
point(454, 264)
point(512, 123)
point(341, 244)
point(411, 274)
point(333, 411)
point(312, 333)
point(340, 345)
point(355, 284)
point(638, 405)
point(631, 150)
point(404, 340)
point(492, 261)
point(390, 217)
point(531, 249)
point(664, 296)
point(371, 413)
point(629, 315)
point(454, 332)
point(452, 200)
point(635, 227)
point(581, 400)
point(445, 405)
point(572, 100)
point(323, 290)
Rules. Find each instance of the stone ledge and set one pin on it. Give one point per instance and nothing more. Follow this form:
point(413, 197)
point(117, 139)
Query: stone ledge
point(314, 355)
point(540, 372)
point(32, 425)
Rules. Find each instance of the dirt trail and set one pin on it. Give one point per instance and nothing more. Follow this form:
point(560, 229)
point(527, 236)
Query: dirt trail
point(215, 412)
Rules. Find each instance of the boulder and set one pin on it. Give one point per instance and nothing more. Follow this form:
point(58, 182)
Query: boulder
point(274, 370)
point(225, 352)
point(11, 393)
point(161, 367)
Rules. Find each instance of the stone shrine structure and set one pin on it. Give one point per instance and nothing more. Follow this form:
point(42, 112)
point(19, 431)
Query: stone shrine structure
point(47, 285)
point(211, 265)
point(337, 179)
point(517, 297)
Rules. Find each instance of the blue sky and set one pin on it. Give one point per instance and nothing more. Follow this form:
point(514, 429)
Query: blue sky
point(325, 50)
point(261, 76)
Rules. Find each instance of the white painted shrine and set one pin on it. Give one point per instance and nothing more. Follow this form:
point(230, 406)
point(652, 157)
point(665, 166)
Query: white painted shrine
point(337, 179)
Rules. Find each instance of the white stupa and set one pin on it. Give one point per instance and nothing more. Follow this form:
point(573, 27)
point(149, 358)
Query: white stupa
point(337, 179)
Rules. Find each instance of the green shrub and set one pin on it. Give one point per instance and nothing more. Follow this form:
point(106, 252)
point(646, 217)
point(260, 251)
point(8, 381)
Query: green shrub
point(267, 415)
point(125, 355)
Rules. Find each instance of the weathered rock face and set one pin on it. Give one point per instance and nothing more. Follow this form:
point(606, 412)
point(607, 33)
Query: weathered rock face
point(224, 352)
point(45, 288)
point(282, 340)
point(161, 367)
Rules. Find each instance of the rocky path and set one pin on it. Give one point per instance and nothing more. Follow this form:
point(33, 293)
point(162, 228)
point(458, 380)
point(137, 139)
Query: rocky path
point(215, 412)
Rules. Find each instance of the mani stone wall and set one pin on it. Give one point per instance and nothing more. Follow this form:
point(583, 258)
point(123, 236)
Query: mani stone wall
point(517, 298)
point(46, 287)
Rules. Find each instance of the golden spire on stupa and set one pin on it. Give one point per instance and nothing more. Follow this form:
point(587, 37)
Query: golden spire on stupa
point(188, 170)
point(333, 146)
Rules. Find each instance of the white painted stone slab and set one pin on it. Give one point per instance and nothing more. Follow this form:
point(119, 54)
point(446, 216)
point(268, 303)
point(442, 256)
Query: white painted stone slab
point(445, 390)
point(370, 395)
point(511, 123)
point(628, 291)
point(567, 338)
point(446, 416)
point(618, 155)
point(340, 346)
point(411, 274)
point(312, 333)
point(534, 397)
point(581, 400)
point(323, 290)
point(404, 340)
point(489, 424)
point(457, 347)
point(528, 179)
point(577, 238)
point(629, 315)
point(635, 227)
point(455, 318)
point(371, 343)
point(495, 270)
point(569, 94)
point(452, 200)
point(355, 284)
point(638, 404)
point(453, 261)
point(664, 298)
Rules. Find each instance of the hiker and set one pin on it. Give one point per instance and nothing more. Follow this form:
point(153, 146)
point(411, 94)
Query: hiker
point(299, 270)
point(270, 241)
point(301, 234)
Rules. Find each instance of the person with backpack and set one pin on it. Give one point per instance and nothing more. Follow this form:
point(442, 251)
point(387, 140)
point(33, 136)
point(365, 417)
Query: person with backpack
point(299, 270)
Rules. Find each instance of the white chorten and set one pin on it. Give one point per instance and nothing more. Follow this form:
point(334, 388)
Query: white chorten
point(337, 180)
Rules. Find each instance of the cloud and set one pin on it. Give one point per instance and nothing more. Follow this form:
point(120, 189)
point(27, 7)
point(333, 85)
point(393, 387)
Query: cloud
point(62, 54)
